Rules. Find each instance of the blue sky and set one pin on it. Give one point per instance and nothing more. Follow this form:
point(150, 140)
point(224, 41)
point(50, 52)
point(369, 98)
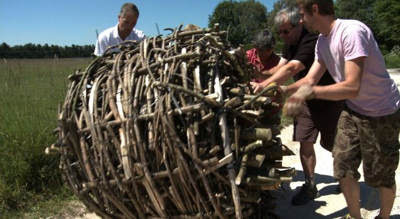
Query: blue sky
point(67, 22)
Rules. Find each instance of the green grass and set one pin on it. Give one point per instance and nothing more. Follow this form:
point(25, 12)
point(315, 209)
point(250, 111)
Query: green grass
point(31, 90)
point(47, 205)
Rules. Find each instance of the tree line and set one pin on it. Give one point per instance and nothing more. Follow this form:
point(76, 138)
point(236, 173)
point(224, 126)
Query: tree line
point(30, 50)
point(242, 19)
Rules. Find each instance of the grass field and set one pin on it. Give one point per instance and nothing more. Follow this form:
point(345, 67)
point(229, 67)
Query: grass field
point(31, 90)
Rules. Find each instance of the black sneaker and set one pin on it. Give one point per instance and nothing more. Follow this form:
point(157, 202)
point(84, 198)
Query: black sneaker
point(338, 190)
point(306, 194)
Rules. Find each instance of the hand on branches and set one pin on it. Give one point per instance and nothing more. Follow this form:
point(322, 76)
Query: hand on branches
point(258, 86)
point(293, 104)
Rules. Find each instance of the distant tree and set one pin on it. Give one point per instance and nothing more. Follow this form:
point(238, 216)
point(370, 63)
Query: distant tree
point(242, 19)
point(362, 10)
point(387, 15)
point(4, 50)
point(30, 50)
point(279, 5)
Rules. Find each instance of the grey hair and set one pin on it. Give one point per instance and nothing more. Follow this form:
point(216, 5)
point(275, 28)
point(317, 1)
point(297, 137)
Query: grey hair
point(264, 40)
point(129, 7)
point(287, 14)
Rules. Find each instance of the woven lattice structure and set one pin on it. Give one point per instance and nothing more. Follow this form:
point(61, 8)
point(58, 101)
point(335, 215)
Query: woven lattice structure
point(168, 128)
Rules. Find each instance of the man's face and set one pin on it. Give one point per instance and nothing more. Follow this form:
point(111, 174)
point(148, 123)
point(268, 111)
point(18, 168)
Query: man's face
point(288, 33)
point(307, 19)
point(127, 21)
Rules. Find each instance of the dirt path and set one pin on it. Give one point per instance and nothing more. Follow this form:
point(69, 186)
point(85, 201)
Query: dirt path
point(330, 204)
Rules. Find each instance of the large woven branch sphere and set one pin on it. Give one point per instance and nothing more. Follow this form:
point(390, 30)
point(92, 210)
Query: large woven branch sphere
point(168, 128)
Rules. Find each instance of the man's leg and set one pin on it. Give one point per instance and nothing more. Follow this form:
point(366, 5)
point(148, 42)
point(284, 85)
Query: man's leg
point(346, 160)
point(309, 190)
point(351, 191)
point(306, 133)
point(308, 160)
point(381, 156)
point(387, 196)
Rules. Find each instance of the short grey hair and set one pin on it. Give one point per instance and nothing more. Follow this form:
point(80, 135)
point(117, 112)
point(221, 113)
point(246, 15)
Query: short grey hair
point(287, 14)
point(129, 7)
point(264, 40)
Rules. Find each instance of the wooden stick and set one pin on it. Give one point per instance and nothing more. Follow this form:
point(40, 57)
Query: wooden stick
point(227, 149)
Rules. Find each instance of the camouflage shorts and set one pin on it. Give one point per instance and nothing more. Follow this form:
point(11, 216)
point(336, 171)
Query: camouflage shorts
point(374, 140)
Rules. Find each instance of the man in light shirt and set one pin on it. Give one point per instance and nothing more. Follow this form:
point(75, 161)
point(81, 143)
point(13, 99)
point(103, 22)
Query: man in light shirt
point(369, 126)
point(317, 116)
point(124, 30)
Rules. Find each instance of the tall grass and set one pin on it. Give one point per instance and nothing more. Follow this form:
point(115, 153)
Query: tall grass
point(30, 91)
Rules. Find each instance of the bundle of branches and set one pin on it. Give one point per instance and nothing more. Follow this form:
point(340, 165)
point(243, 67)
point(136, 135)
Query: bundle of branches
point(168, 127)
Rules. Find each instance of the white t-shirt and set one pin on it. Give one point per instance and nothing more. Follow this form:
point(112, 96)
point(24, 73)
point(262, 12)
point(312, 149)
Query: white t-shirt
point(110, 37)
point(350, 39)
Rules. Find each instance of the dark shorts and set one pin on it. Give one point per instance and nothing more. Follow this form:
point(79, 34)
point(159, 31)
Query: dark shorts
point(373, 140)
point(311, 121)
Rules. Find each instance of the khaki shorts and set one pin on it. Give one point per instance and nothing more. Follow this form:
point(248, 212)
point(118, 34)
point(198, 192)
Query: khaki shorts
point(312, 121)
point(373, 140)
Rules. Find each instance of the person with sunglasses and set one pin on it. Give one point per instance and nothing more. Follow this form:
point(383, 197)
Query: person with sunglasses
point(317, 116)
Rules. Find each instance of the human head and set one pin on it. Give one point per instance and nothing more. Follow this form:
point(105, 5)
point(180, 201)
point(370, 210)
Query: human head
point(287, 21)
point(325, 7)
point(128, 17)
point(311, 12)
point(264, 43)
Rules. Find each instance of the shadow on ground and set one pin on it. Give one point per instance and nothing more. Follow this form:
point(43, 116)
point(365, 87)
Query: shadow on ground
point(330, 203)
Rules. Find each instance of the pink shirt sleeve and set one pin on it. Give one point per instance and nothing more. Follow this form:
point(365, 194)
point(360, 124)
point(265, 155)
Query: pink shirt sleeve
point(355, 42)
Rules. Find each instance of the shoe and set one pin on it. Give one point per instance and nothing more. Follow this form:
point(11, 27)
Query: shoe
point(338, 190)
point(306, 194)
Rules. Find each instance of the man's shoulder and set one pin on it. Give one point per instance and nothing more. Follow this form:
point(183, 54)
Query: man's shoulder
point(107, 33)
point(308, 37)
point(307, 43)
point(349, 26)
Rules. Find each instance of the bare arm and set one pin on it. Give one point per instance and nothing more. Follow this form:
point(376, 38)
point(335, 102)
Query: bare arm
point(273, 70)
point(312, 78)
point(347, 89)
point(283, 74)
point(268, 73)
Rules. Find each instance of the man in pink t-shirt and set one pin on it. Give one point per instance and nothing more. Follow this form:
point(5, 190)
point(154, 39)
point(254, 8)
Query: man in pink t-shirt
point(369, 127)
